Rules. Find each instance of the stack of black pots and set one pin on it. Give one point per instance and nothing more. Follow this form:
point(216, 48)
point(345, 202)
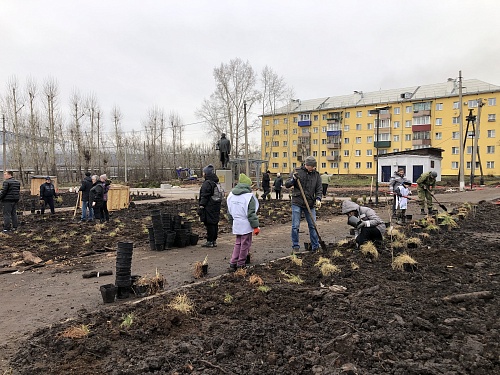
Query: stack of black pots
point(124, 269)
point(159, 236)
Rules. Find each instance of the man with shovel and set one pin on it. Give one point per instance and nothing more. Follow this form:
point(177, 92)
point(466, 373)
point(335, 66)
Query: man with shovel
point(310, 181)
point(425, 184)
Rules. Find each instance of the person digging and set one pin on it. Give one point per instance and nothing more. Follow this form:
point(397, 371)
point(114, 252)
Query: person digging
point(425, 184)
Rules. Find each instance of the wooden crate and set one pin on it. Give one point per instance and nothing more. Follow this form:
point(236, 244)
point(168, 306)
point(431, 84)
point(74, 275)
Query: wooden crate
point(118, 197)
point(37, 181)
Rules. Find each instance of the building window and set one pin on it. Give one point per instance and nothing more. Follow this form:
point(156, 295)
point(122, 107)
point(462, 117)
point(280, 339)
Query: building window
point(285, 131)
point(267, 144)
point(492, 117)
point(357, 152)
point(276, 143)
point(396, 124)
point(276, 132)
point(323, 141)
point(456, 105)
point(323, 117)
point(346, 141)
point(267, 155)
point(346, 165)
point(491, 133)
point(316, 117)
point(369, 139)
point(346, 152)
point(346, 128)
point(358, 127)
point(397, 110)
point(369, 152)
point(492, 101)
point(408, 124)
point(275, 165)
point(472, 103)
point(490, 164)
point(266, 133)
point(305, 117)
point(294, 154)
point(408, 109)
point(407, 137)
point(455, 135)
point(369, 165)
point(424, 120)
point(359, 114)
point(315, 154)
point(315, 141)
point(294, 165)
point(454, 165)
point(490, 149)
point(422, 106)
point(455, 120)
point(285, 143)
point(285, 154)
point(369, 126)
point(294, 142)
point(396, 138)
point(323, 129)
point(294, 131)
point(275, 154)
point(358, 139)
point(455, 150)
point(295, 119)
point(357, 165)
point(276, 121)
point(384, 137)
point(315, 130)
point(323, 153)
point(323, 165)
point(439, 106)
point(334, 165)
point(285, 121)
point(439, 121)
point(347, 114)
point(285, 165)
point(438, 135)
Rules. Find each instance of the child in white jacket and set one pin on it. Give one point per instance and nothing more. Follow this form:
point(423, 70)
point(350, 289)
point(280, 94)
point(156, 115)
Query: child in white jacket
point(402, 192)
point(242, 209)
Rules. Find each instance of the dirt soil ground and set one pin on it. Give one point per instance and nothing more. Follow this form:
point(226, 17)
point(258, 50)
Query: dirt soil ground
point(365, 319)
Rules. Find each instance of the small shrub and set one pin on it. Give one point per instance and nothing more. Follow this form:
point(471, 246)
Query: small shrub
point(293, 279)
point(228, 298)
point(328, 269)
point(296, 260)
point(76, 332)
point(255, 279)
point(127, 320)
point(263, 288)
point(182, 303)
point(369, 249)
point(401, 260)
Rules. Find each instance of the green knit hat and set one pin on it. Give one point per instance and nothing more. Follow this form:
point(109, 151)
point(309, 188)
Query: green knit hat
point(244, 179)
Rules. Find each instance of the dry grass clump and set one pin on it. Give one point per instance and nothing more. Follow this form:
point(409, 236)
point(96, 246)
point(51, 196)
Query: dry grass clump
point(321, 261)
point(398, 244)
point(414, 242)
point(256, 279)
point(296, 260)
point(240, 272)
point(328, 269)
point(369, 249)
point(395, 234)
point(337, 254)
point(402, 259)
point(354, 266)
point(182, 303)
point(155, 283)
point(264, 289)
point(343, 243)
point(76, 332)
point(293, 279)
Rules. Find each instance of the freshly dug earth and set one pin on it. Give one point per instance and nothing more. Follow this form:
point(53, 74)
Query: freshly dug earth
point(368, 318)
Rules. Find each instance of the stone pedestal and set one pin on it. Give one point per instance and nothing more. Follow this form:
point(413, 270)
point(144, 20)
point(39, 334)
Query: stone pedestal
point(225, 179)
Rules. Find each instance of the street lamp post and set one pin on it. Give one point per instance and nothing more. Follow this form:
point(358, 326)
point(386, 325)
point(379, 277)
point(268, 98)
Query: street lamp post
point(377, 112)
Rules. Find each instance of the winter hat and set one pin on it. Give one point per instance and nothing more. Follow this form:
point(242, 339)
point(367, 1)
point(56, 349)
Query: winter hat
point(311, 161)
point(87, 174)
point(208, 169)
point(244, 179)
point(47, 178)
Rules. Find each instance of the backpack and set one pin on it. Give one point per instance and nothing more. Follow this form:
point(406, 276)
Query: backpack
point(218, 193)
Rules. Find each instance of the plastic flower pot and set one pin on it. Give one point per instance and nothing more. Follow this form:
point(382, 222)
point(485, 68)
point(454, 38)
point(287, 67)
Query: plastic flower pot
point(204, 269)
point(108, 292)
point(410, 267)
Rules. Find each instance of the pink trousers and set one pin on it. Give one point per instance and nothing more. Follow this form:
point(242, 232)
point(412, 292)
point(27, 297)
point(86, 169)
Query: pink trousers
point(241, 248)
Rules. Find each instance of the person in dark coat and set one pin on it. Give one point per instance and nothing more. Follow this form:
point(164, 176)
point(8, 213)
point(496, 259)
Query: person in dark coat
point(9, 195)
point(224, 147)
point(85, 190)
point(104, 213)
point(266, 186)
point(277, 185)
point(311, 184)
point(47, 195)
point(209, 209)
point(96, 197)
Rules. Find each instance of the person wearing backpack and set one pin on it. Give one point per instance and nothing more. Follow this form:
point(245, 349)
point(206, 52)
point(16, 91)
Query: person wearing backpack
point(209, 208)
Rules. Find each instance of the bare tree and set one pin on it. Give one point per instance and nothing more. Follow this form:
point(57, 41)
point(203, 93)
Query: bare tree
point(35, 131)
point(154, 128)
point(116, 117)
point(76, 130)
point(177, 129)
point(51, 92)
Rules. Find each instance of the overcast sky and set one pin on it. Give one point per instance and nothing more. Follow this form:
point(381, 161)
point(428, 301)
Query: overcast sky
point(137, 54)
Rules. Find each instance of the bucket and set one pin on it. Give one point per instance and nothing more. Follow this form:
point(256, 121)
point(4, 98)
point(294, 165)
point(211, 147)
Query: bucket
point(193, 238)
point(108, 292)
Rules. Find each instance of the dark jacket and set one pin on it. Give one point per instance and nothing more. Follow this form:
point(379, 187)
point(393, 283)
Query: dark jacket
point(105, 186)
point(11, 190)
point(47, 190)
point(224, 145)
point(311, 184)
point(85, 188)
point(96, 194)
point(278, 183)
point(266, 182)
point(210, 214)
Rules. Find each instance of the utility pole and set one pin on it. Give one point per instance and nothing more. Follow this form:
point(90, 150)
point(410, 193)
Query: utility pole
point(98, 144)
point(4, 151)
point(247, 165)
point(461, 134)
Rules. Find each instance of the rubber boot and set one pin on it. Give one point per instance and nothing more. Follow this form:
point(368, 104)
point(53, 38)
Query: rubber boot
point(430, 211)
point(403, 216)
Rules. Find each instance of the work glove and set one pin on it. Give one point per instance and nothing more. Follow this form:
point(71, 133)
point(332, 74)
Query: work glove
point(317, 205)
point(361, 224)
point(424, 187)
point(256, 231)
point(295, 176)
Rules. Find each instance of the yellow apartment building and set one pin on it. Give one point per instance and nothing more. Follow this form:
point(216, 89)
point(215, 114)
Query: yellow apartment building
point(341, 131)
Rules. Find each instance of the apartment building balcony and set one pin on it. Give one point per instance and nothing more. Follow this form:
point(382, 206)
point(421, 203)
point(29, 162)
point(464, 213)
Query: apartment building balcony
point(335, 158)
point(333, 133)
point(421, 128)
point(385, 116)
point(305, 123)
point(422, 113)
point(421, 142)
point(382, 144)
point(333, 145)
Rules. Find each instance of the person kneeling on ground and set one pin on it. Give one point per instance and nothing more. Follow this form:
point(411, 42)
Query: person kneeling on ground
point(368, 225)
point(242, 209)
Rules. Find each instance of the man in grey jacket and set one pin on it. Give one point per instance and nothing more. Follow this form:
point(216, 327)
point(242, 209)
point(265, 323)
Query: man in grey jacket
point(9, 195)
point(368, 225)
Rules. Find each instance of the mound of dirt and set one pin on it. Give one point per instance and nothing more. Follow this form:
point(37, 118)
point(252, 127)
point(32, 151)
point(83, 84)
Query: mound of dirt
point(292, 316)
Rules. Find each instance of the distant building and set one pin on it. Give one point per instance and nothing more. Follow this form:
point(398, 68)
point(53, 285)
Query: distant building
point(341, 132)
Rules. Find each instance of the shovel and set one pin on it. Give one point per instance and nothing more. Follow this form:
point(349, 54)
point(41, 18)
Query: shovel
point(371, 190)
point(321, 242)
point(443, 207)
